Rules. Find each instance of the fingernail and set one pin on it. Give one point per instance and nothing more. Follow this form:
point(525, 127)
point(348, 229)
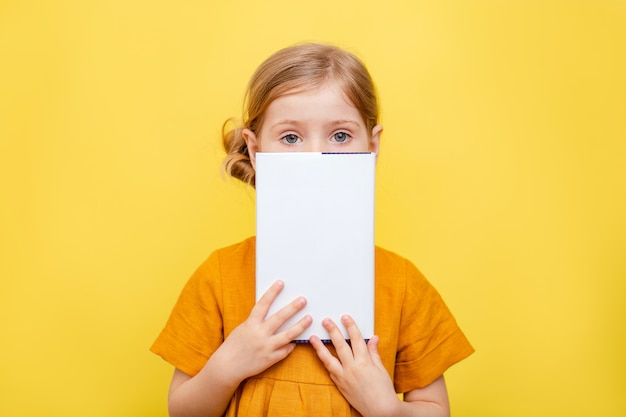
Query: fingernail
point(345, 318)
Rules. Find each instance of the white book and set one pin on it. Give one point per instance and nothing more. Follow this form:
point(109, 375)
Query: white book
point(315, 232)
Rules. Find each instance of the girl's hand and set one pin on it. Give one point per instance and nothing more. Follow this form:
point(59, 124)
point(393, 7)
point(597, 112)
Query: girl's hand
point(254, 345)
point(358, 371)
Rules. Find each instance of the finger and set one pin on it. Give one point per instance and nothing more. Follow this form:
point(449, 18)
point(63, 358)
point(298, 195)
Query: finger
point(281, 316)
point(281, 353)
point(296, 330)
point(372, 348)
point(356, 338)
point(330, 362)
point(344, 351)
point(260, 309)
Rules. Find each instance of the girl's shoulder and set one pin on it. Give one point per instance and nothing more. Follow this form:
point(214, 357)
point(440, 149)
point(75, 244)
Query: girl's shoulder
point(247, 247)
point(243, 248)
point(397, 269)
point(241, 255)
point(390, 259)
point(233, 252)
point(235, 258)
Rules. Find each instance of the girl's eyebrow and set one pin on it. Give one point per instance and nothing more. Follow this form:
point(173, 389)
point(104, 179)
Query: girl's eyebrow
point(286, 122)
point(332, 123)
point(343, 122)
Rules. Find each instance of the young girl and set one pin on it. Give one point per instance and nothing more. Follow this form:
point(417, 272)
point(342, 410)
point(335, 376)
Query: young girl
point(229, 356)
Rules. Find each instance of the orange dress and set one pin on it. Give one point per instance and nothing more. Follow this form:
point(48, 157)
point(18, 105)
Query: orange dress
point(419, 337)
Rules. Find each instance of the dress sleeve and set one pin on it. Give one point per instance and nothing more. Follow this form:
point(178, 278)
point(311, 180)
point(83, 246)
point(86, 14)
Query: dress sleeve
point(430, 341)
point(194, 329)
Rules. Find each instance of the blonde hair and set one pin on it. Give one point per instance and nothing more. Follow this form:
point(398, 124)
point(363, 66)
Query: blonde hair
point(296, 68)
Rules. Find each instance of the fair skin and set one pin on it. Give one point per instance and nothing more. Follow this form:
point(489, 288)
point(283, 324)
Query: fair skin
point(316, 120)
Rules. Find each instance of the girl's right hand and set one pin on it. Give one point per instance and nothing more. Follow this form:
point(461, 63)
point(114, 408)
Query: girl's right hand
point(254, 345)
point(251, 348)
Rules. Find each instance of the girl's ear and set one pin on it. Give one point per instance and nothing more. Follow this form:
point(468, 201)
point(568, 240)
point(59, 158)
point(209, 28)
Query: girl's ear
point(252, 144)
point(375, 140)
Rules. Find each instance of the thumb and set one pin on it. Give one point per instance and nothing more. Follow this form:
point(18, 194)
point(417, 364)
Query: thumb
point(372, 348)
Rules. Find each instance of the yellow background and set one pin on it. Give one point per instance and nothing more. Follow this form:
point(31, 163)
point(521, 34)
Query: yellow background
point(501, 176)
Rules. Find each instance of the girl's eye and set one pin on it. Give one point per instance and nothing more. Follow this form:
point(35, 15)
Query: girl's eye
point(291, 139)
point(341, 137)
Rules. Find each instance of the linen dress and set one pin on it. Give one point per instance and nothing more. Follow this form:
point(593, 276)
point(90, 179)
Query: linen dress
point(419, 337)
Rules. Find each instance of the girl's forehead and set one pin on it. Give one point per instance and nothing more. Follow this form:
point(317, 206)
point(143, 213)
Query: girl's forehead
point(323, 102)
point(331, 89)
point(313, 87)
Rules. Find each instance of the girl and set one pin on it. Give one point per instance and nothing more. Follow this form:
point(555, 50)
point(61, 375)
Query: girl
point(229, 356)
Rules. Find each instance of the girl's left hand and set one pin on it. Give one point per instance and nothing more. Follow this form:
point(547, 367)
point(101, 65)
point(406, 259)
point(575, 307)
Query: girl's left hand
point(357, 371)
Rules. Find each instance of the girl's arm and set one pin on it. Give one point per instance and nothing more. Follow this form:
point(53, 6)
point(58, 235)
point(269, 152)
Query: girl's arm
point(363, 380)
point(431, 400)
point(250, 349)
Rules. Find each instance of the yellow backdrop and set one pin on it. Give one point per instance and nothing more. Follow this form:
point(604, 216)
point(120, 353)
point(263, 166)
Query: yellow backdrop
point(501, 176)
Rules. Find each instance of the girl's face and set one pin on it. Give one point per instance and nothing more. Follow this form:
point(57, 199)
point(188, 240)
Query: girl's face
point(317, 120)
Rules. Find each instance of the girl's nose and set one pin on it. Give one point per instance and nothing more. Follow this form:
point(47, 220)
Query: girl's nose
point(316, 145)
